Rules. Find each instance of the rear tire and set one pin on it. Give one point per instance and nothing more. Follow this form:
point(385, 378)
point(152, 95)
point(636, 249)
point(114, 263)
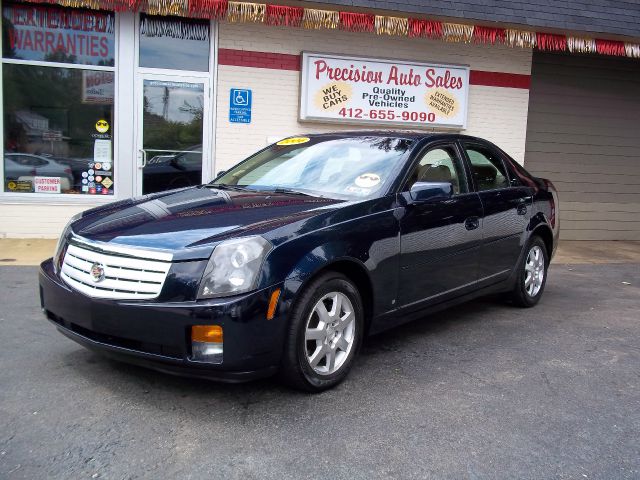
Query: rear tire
point(532, 274)
point(325, 332)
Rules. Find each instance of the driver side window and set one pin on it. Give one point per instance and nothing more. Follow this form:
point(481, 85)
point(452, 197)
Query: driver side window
point(439, 164)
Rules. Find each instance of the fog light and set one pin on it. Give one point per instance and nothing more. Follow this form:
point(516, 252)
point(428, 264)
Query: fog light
point(206, 343)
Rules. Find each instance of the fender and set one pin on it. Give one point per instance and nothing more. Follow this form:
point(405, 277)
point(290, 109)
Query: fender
point(305, 269)
point(319, 259)
point(537, 224)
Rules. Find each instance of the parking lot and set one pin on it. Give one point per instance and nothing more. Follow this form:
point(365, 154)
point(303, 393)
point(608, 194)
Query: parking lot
point(480, 391)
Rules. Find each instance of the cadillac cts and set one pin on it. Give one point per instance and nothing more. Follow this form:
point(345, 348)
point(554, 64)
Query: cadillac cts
point(288, 260)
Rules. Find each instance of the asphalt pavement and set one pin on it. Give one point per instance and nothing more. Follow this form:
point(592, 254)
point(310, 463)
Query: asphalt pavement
point(481, 391)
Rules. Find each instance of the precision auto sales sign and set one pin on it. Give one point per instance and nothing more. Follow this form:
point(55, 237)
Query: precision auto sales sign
point(336, 88)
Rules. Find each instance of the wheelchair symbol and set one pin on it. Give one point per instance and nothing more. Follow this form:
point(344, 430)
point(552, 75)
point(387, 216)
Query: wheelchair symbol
point(241, 97)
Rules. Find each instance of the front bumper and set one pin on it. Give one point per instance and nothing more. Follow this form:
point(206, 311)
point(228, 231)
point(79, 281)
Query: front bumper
point(157, 335)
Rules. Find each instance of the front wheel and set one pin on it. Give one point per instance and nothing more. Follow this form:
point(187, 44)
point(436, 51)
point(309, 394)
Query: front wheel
point(325, 333)
point(532, 275)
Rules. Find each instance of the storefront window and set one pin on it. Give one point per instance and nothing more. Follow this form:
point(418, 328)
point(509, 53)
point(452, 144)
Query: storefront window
point(53, 34)
point(174, 43)
point(57, 121)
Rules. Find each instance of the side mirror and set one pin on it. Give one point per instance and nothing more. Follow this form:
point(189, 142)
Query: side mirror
point(220, 173)
point(428, 191)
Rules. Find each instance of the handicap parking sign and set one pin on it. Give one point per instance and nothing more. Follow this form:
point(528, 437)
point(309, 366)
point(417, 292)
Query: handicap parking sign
point(240, 105)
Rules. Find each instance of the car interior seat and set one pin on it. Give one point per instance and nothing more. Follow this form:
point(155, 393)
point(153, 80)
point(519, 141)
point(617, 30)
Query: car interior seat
point(438, 173)
point(485, 176)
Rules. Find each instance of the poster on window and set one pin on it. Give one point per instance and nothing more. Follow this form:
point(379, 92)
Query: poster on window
point(343, 89)
point(53, 34)
point(97, 87)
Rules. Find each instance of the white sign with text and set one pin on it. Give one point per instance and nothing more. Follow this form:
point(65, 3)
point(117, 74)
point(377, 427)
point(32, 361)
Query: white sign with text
point(337, 88)
point(46, 184)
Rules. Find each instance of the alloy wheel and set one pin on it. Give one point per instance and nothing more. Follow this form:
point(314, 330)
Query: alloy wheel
point(534, 271)
point(330, 333)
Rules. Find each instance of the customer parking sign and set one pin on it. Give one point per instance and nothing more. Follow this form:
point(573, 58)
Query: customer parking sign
point(240, 105)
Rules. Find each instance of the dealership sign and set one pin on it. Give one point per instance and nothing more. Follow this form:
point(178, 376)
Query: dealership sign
point(336, 88)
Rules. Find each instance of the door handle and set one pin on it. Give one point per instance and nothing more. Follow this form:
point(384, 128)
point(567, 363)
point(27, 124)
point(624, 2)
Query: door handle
point(472, 223)
point(143, 153)
point(522, 208)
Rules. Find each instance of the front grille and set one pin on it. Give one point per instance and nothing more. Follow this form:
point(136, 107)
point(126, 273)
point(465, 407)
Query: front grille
point(125, 277)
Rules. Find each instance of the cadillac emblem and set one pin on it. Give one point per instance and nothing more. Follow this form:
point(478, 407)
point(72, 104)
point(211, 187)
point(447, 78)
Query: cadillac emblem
point(97, 272)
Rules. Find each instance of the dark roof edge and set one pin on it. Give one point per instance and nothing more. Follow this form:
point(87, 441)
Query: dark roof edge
point(593, 18)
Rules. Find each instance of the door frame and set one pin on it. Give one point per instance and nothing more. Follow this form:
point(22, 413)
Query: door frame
point(208, 78)
point(461, 289)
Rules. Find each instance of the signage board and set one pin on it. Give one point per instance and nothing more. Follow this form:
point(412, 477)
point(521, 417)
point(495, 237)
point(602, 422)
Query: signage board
point(240, 105)
point(53, 34)
point(97, 87)
point(46, 184)
point(337, 88)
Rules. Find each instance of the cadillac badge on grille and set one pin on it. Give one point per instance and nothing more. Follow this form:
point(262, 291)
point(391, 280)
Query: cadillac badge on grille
point(97, 272)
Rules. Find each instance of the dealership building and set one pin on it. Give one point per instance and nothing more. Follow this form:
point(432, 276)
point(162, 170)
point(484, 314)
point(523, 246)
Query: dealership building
point(108, 99)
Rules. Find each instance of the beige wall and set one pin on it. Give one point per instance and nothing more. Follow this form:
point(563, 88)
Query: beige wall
point(498, 114)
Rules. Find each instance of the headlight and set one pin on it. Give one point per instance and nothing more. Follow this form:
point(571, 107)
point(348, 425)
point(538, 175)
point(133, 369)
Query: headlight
point(233, 267)
point(60, 246)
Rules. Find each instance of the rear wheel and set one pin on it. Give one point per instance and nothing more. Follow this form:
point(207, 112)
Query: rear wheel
point(324, 334)
point(532, 275)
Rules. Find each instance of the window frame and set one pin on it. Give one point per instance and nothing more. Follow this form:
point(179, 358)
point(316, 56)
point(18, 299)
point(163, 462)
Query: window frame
point(464, 144)
point(60, 198)
point(422, 151)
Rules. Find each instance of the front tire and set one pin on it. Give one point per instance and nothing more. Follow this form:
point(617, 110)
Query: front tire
point(532, 275)
point(325, 333)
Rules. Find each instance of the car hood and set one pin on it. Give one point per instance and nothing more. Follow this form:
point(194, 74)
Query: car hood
point(189, 222)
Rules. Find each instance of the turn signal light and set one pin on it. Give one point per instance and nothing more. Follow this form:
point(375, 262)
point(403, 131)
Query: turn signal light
point(206, 333)
point(273, 303)
point(206, 343)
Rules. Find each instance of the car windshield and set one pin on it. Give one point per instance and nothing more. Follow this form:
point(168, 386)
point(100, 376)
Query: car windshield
point(345, 168)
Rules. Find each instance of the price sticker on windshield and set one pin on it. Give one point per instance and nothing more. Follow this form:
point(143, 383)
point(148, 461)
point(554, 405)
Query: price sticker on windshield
point(293, 141)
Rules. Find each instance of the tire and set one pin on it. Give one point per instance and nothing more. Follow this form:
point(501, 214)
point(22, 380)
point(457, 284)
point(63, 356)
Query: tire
point(311, 342)
point(529, 286)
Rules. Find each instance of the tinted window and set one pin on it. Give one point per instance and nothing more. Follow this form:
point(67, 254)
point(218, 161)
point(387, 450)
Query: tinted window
point(174, 43)
point(439, 164)
point(487, 168)
point(519, 176)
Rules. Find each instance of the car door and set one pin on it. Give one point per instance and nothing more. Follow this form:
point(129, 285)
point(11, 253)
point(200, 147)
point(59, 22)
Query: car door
point(507, 208)
point(440, 239)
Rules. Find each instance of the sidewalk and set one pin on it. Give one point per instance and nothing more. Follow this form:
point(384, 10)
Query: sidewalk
point(25, 251)
point(28, 251)
point(596, 252)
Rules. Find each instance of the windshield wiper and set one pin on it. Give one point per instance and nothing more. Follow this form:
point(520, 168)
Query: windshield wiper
point(226, 186)
point(292, 191)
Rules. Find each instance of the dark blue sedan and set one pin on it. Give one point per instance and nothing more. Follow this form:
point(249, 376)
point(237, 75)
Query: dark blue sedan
point(284, 263)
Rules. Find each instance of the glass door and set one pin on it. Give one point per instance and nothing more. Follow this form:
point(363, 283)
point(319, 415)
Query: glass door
point(172, 131)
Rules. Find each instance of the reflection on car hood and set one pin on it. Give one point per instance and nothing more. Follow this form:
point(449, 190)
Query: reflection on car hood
point(190, 220)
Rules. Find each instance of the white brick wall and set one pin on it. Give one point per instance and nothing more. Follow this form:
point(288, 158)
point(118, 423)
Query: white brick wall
point(32, 220)
point(498, 114)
